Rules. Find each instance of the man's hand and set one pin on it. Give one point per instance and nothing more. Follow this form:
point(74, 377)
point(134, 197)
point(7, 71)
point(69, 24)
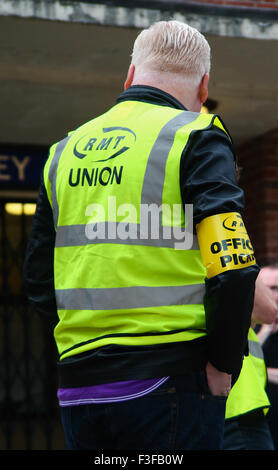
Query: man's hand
point(219, 382)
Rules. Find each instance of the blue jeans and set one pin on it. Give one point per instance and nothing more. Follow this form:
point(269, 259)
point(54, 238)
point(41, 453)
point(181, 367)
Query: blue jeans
point(182, 414)
point(250, 432)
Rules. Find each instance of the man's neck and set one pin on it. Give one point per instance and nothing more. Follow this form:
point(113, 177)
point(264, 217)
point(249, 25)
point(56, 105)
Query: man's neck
point(173, 85)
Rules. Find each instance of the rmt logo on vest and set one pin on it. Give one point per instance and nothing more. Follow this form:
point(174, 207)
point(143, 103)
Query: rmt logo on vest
point(113, 142)
point(119, 142)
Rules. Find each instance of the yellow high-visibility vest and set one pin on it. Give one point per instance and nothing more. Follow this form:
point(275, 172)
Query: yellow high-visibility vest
point(114, 283)
point(249, 393)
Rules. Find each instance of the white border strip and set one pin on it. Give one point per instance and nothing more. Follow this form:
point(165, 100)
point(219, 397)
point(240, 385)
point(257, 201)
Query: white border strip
point(79, 12)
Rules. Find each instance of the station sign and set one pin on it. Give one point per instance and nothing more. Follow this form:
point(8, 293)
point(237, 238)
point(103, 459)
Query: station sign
point(21, 166)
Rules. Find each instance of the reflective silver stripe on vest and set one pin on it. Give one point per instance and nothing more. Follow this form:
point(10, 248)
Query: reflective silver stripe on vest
point(153, 184)
point(53, 177)
point(152, 190)
point(128, 297)
point(255, 349)
point(79, 235)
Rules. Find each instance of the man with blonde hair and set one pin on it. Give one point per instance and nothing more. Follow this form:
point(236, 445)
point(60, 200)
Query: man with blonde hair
point(151, 330)
point(175, 48)
point(268, 336)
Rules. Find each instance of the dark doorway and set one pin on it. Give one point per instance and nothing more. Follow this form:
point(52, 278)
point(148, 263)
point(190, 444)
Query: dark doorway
point(28, 405)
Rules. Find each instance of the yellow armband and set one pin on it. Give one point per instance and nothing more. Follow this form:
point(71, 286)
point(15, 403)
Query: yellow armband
point(224, 243)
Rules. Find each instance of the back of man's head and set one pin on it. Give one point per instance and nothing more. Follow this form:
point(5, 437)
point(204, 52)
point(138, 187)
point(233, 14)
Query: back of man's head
point(172, 47)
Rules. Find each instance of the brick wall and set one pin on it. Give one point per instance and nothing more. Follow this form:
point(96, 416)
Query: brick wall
point(243, 3)
point(259, 159)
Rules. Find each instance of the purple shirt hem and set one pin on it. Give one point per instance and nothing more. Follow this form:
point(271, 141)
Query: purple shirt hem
point(108, 393)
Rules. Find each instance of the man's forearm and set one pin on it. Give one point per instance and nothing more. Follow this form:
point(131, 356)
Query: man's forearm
point(228, 305)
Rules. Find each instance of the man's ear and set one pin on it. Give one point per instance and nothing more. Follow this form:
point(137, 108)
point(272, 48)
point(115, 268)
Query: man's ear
point(129, 77)
point(203, 90)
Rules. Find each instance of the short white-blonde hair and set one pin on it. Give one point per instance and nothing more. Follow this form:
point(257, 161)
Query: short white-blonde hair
point(174, 47)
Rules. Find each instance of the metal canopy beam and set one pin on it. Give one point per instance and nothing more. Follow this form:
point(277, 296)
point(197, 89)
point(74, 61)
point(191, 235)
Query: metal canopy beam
point(210, 19)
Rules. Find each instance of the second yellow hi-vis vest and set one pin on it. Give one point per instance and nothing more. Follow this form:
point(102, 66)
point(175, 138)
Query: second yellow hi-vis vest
point(107, 183)
point(248, 393)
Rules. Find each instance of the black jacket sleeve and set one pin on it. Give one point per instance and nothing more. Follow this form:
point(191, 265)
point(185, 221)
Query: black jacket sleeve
point(209, 182)
point(38, 272)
